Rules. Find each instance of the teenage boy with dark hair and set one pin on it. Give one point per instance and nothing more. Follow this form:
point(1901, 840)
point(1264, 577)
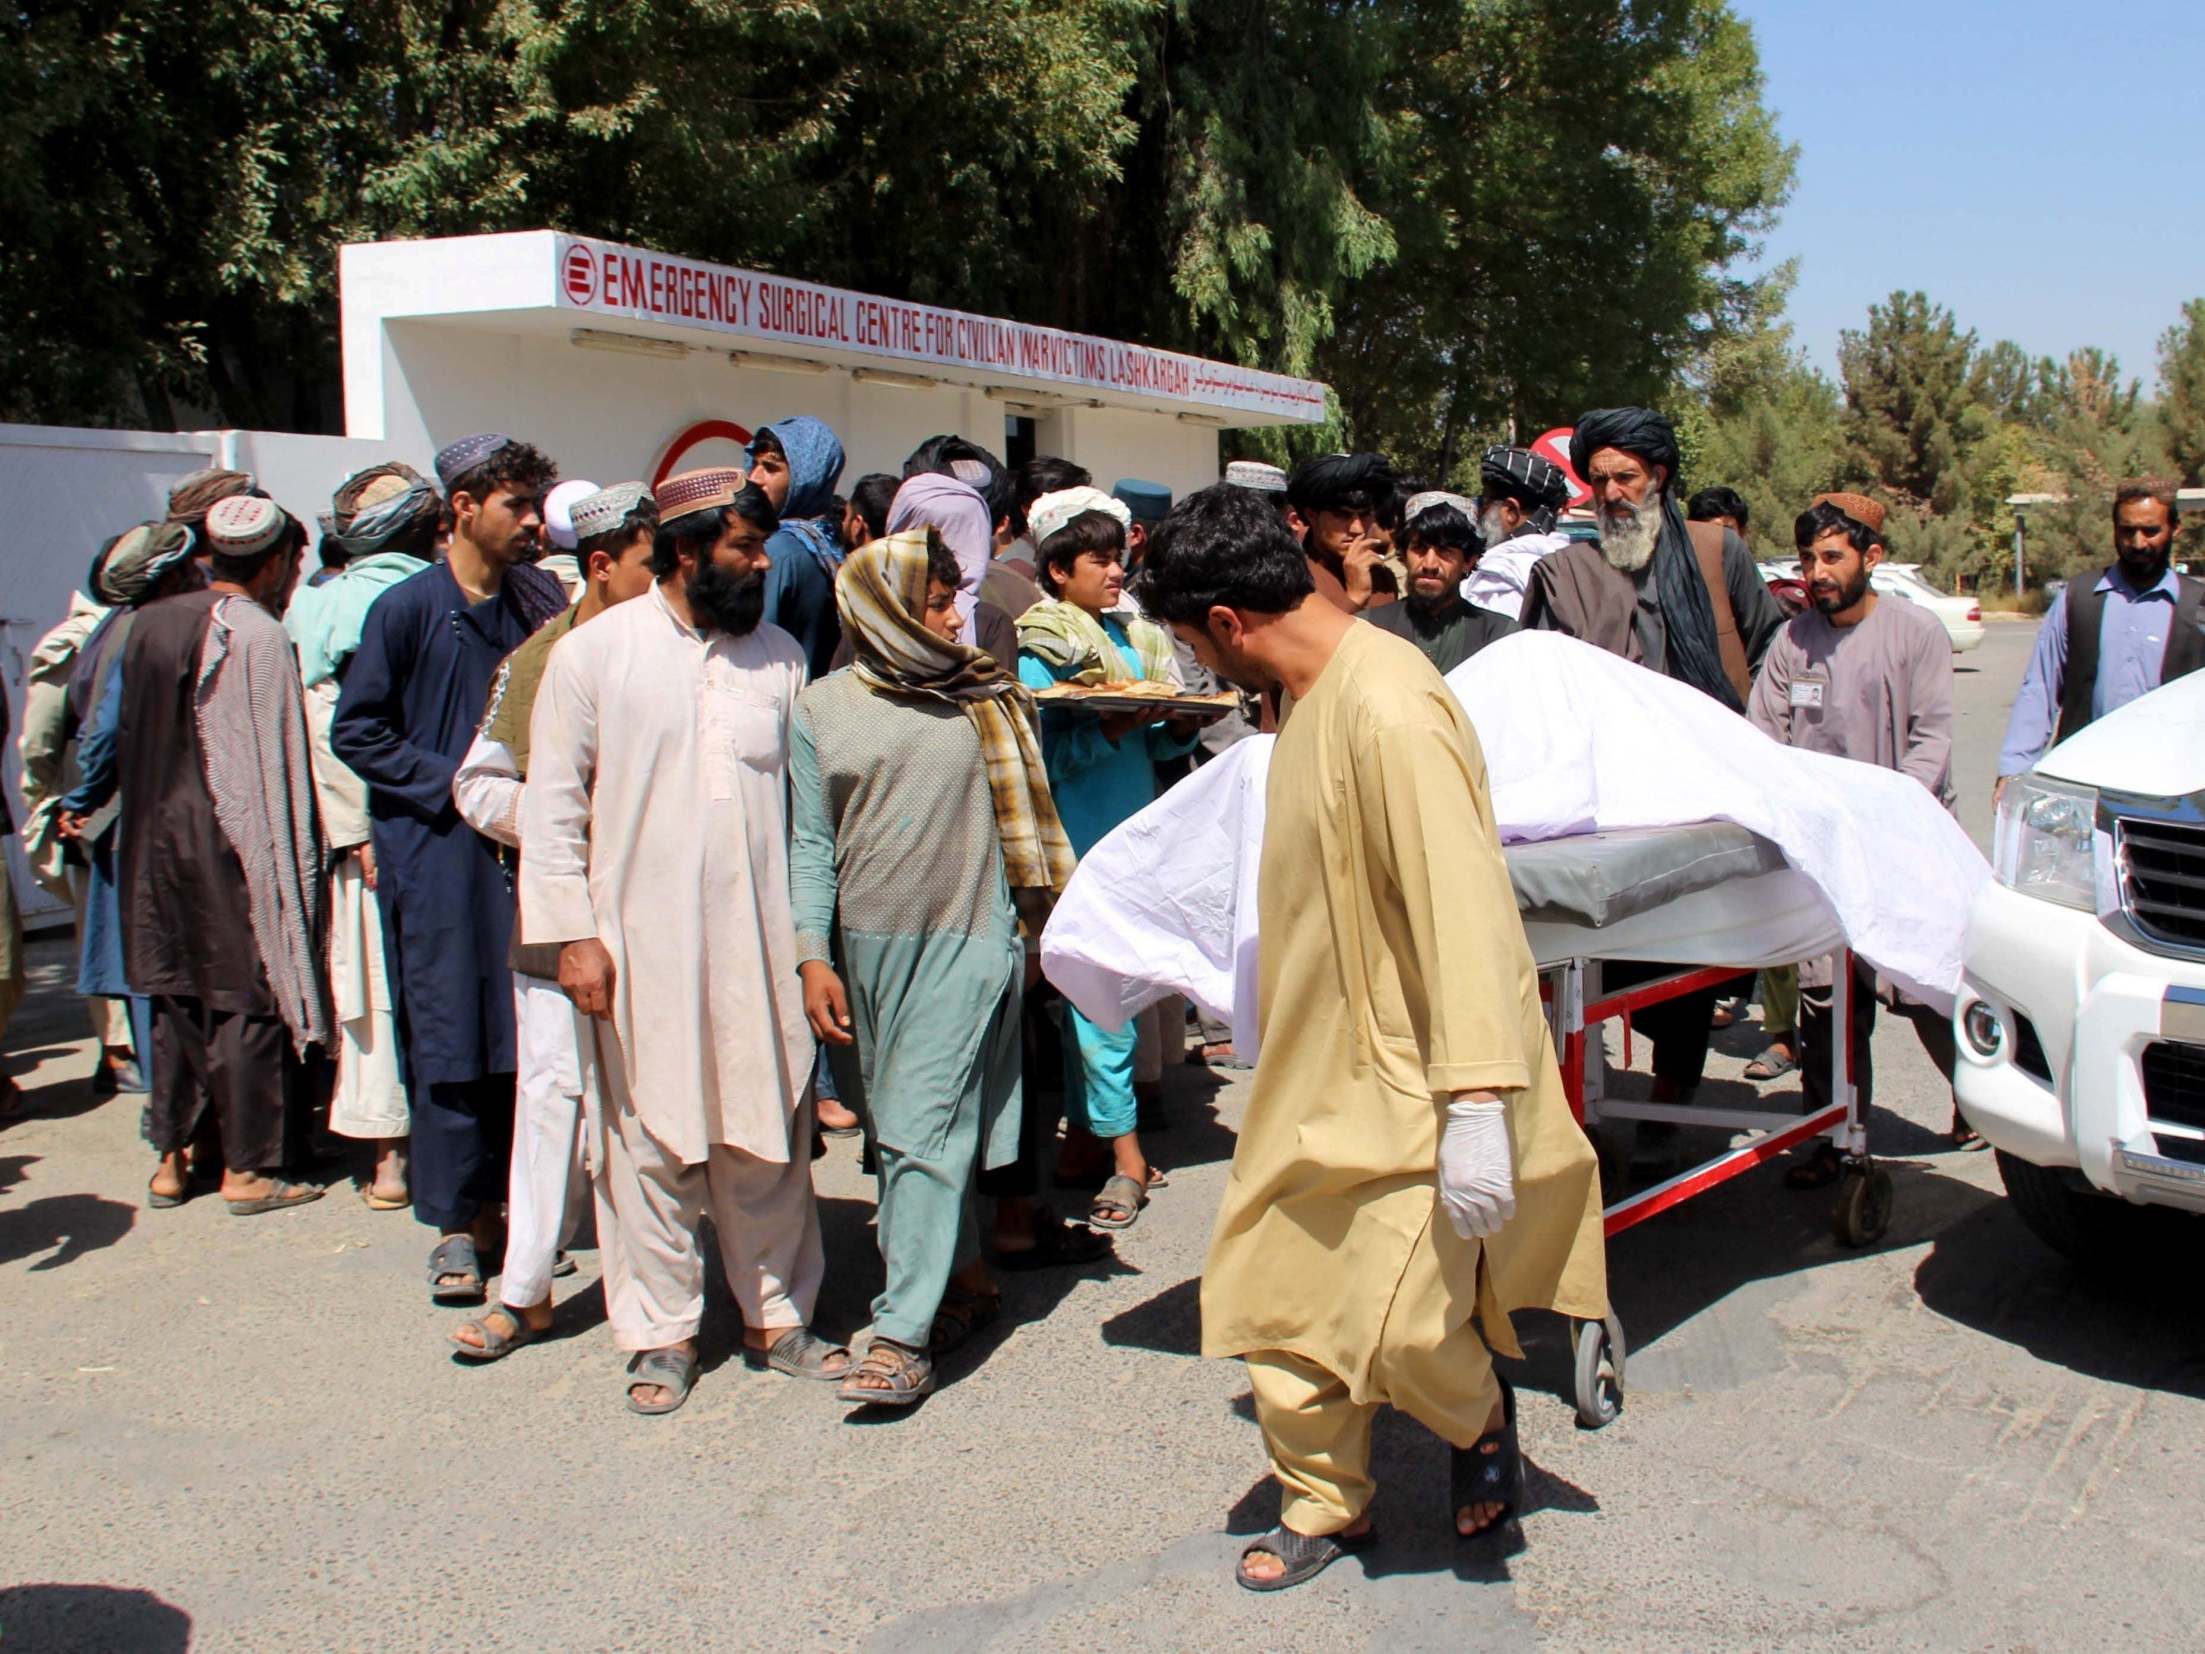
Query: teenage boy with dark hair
point(796, 463)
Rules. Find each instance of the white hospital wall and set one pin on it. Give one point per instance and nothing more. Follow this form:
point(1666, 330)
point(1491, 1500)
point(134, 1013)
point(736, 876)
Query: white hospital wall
point(62, 491)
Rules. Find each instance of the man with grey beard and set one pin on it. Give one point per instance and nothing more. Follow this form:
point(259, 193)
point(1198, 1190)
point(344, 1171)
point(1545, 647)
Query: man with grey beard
point(1683, 599)
point(1521, 492)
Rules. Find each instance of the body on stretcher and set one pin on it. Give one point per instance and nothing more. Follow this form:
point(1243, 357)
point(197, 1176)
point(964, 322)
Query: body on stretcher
point(1714, 900)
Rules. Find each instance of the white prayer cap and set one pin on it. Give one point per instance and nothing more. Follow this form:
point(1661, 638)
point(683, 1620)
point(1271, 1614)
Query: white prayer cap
point(559, 511)
point(1053, 511)
point(1253, 473)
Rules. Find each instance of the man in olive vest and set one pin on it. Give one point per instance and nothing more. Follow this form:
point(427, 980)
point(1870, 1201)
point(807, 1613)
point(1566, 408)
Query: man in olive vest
point(2107, 640)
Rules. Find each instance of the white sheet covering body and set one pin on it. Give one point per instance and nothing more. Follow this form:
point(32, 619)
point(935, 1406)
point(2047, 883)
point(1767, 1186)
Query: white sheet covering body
point(1576, 741)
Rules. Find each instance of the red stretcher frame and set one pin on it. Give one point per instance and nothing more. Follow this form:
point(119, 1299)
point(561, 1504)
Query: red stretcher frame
point(1576, 1008)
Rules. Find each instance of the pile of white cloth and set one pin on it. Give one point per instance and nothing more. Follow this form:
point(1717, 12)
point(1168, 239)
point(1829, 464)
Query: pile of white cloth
point(1576, 741)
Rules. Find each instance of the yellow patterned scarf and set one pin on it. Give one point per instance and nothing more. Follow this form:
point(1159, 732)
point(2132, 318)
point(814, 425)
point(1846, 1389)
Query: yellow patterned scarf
point(1078, 647)
point(881, 593)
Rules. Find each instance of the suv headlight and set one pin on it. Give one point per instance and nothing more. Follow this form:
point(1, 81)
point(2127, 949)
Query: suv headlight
point(2045, 843)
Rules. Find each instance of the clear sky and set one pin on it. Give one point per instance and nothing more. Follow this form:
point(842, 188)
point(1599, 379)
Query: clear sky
point(2037, 168)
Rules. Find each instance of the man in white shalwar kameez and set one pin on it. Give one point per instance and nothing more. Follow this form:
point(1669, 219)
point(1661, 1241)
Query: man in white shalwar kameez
point(612, 531)
point(656, 821)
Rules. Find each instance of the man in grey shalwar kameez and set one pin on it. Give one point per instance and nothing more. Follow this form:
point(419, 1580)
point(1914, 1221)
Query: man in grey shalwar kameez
point(919, 804)
point(1866, 678)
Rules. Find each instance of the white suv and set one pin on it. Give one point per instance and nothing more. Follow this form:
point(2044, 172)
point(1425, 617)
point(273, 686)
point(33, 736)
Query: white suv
point(2082, 1015)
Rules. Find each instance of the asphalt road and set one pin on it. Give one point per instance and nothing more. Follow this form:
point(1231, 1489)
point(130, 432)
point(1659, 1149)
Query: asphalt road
point(247, 1434)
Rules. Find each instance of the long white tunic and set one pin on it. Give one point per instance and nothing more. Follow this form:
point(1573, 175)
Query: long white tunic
point(656, 820)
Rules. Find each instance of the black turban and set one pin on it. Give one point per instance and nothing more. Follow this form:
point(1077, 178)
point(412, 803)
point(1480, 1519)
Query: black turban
point(1523, 475)
point(1332, 481)
point(1687, 609)
point(1639, 431)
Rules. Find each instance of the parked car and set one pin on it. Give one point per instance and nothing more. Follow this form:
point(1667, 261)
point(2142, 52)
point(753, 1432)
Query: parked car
point(1962, 617)
point(2081, 1015)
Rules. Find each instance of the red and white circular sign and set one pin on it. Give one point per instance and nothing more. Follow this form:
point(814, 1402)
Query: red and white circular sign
point(1554, 446)
point(702, 432)
point(580, 274)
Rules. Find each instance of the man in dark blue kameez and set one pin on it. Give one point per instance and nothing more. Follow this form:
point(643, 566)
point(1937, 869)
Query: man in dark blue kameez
point(413, 695)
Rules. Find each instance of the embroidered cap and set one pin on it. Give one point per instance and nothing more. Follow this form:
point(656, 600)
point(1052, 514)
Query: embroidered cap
point(1253, 473)
point(713, 487)
point(607, 509)
point(456, 459)
point(1421, 503)
point(244, 525)
point(1863, 510)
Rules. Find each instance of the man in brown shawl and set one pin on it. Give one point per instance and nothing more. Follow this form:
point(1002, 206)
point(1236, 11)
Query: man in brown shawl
point(220, 855)
point(1682, 599)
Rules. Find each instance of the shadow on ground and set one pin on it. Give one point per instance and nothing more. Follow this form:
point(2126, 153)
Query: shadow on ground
point(2138, 1325)
point(90, 1619)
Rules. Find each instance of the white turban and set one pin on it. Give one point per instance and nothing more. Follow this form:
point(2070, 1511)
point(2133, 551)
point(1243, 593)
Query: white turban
point(1053, 511)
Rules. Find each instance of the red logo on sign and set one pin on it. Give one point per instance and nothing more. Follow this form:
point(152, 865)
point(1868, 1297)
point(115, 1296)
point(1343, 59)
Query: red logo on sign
point(581, 274)
point(705, 430)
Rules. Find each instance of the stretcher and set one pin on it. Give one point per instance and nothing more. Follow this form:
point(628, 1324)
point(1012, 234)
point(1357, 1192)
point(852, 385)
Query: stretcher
point(1714, 900)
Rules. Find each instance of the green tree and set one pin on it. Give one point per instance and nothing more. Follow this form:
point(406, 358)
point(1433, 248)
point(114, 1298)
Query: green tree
point(1578, 189)
point(2182, 392)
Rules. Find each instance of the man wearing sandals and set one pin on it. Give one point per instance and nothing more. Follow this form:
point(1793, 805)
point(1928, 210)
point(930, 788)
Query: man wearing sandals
point(219, 855)
point(656, 823)
point(921, 807)
point(1408, 1170)
point(613, 533)
point(1859, 677)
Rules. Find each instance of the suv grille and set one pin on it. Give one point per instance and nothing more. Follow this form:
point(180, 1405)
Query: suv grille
point(2174, 1095)
point(2163, 879)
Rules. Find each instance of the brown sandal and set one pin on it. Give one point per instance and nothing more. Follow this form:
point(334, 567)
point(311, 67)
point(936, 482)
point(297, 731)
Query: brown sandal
point(906, 1374)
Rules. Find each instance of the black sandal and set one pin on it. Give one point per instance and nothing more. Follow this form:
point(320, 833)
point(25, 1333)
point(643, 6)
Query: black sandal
point(456, 1255)
point(1305, 1555)
point(1057, 1245)
point(1477, 1477)
point(962, 1313)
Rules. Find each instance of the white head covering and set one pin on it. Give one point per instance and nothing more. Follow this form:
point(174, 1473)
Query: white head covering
point(1421, 503)
point(559, 512)
point(1052, 511)
point(1253, 473)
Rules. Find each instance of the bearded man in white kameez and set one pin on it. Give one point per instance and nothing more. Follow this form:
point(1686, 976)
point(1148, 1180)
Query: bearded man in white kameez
point(1408, 1171)
point(656, 820)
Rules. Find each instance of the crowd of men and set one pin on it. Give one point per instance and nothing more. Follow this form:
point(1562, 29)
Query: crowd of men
point(569, 845)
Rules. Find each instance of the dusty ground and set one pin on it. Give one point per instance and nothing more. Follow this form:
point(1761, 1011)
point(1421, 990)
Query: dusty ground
point(247, 1434)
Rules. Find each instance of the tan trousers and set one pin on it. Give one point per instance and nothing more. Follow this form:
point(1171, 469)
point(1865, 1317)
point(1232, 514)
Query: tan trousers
point(1319, 1438)
point(649, 1205)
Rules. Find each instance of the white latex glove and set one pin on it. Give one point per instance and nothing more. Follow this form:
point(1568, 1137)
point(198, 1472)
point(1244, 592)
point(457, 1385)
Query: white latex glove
point(1477, 1167)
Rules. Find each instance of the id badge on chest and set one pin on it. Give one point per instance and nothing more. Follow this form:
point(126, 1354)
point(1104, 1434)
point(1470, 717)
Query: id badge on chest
point(1808, 692)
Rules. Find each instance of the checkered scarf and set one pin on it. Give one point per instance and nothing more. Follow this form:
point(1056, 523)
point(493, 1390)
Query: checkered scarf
point(881, 593)
point(251, 715)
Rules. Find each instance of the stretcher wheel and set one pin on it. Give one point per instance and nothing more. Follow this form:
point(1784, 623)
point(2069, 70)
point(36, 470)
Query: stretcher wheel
point(1599, 1372)
point(1864, 1205)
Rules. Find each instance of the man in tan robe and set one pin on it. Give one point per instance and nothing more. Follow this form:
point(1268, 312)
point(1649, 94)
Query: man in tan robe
point(1408, 1171)
point(656, 820)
